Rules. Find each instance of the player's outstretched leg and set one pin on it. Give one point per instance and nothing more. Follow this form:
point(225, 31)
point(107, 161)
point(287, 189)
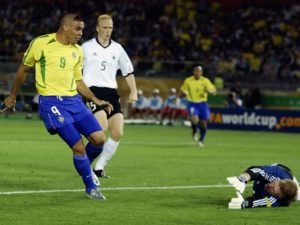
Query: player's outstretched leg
point(82, 165)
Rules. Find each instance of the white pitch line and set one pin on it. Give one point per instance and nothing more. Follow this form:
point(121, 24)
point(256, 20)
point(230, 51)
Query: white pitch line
point(148, 143)
point(117, 189)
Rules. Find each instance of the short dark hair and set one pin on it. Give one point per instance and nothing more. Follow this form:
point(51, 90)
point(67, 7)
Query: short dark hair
point(77, 17)
point(70, 17)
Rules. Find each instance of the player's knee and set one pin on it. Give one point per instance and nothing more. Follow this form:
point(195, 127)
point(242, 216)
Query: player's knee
point(78, 148)
point(97, 138)
point(195, 119)
point(116, 135)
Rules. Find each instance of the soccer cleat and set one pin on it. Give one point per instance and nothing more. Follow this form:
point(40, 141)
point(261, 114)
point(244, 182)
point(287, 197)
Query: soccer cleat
point(101, 173)
point(95, 194)
point(201, 144)
point(95, 179)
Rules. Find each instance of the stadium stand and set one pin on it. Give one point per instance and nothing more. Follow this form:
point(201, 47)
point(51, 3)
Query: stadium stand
point(246, 41)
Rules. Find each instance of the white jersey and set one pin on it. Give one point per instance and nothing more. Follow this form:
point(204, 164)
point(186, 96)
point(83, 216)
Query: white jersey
point(100, 64)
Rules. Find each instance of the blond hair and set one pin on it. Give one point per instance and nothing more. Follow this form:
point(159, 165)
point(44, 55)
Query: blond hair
point(104, 17)
point(289, 190)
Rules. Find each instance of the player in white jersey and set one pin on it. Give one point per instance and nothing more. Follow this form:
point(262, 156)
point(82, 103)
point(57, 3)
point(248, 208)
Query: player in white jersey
point(102, 58)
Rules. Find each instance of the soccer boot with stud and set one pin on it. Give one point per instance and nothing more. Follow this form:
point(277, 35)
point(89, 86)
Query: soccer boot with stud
point(101, 174)
point(96, 195)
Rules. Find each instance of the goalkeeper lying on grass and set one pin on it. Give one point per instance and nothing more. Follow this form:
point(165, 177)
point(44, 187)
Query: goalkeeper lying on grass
point(274, 185)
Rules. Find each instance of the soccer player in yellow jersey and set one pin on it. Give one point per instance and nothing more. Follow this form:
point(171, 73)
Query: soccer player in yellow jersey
point(196, 88)
point(58, 72)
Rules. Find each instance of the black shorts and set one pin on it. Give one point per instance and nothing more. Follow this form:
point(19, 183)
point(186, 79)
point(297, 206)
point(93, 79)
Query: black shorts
point(107, 94)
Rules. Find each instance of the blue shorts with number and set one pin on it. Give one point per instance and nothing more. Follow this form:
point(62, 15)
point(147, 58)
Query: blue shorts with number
point(200, 109)
point(68, 117)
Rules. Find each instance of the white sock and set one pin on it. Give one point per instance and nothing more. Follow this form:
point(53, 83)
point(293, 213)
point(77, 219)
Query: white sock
point(109, 149)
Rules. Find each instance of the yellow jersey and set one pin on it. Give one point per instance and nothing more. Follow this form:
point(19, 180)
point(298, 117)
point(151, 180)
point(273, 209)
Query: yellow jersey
point(57, 66)
point(197, 90)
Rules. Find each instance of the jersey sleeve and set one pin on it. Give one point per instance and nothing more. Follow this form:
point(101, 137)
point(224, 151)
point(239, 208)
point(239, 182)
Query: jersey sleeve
point(85, 53)
point(209, 86)
point(263, 202)
point(184, 86)
point(258, 173)
point(31, 54)
point(125, 64)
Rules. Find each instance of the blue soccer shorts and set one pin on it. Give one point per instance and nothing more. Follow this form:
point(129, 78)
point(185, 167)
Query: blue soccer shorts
point(200, 109)
point(68, 117)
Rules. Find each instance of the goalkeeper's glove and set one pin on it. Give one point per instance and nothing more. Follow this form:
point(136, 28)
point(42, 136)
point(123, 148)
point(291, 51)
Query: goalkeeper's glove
point(238, 183)
point(236, 203)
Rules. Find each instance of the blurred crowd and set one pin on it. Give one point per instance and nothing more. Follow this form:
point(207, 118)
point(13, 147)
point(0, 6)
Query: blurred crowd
point(248, 42)
point(171, 110)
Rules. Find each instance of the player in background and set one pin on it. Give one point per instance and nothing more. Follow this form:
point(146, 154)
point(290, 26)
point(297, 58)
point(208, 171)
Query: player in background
point(169, 106)
point(196, 89)
point(33, 106)
point(103, 57)
point(181, 112)
point(155, 105)
point(58, 72)
point(175, 109)
point(139, 107)
point(273, 186)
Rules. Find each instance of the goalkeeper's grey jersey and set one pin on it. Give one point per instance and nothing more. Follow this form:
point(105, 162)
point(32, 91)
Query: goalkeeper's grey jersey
point(100, 64)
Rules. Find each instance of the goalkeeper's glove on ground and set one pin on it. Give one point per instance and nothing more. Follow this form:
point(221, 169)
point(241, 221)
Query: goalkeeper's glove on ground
point(239, 183)
point(237, 202)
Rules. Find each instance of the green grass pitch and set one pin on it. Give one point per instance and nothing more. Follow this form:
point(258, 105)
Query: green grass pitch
point(159, 176)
